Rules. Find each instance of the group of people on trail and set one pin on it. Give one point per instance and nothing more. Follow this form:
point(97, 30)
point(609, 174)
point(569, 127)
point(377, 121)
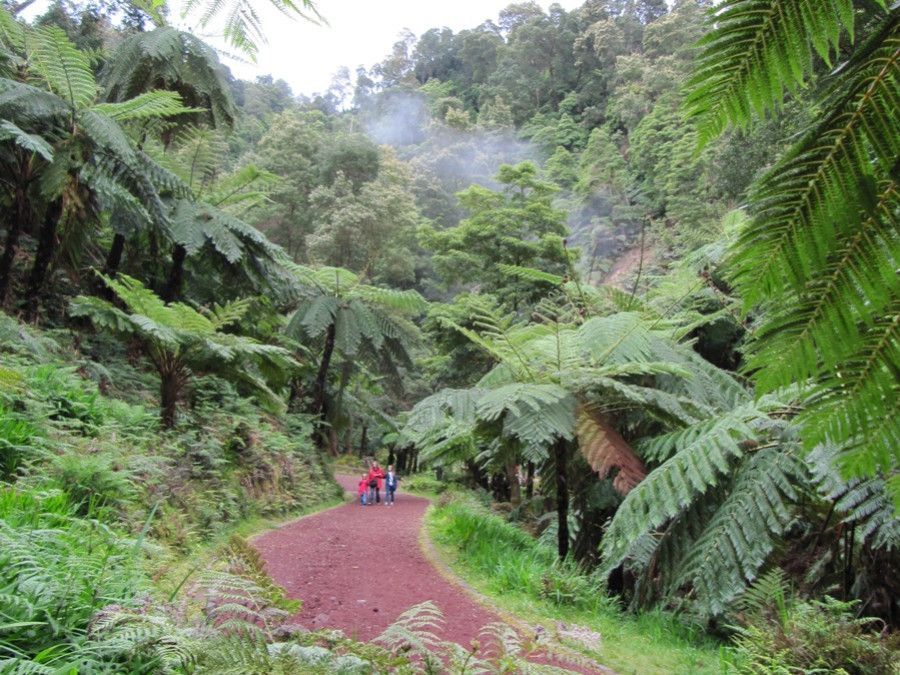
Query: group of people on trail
point(371, 483)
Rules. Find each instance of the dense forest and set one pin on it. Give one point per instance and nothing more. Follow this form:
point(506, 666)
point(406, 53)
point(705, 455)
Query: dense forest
point(629, 272)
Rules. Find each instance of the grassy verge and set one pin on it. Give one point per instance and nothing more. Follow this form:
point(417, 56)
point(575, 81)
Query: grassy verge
point(524, 580)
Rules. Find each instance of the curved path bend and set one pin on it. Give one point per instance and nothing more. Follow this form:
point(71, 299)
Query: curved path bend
point(357, 568)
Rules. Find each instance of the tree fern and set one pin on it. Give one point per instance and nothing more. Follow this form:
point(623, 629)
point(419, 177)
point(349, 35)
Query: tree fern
point(65, 69)
point(708, 516)
point(756, 50)
point(819, 252)
point(177, 336)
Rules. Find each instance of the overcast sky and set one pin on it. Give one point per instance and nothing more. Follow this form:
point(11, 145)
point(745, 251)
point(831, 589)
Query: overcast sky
point(360, 32)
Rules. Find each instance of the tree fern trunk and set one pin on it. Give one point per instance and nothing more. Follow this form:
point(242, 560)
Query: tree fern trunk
point(14, 229)
point(529, 481)
point(176, 275)
point(512, 474)
point(364, 441)
point(169, 389)
point(42, 257)
point(318, 403)
point(561, 462)
point(114, 258)
point(113, 261)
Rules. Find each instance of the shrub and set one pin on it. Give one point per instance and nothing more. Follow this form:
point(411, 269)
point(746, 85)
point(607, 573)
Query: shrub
point(56, 572)
point(783, 636)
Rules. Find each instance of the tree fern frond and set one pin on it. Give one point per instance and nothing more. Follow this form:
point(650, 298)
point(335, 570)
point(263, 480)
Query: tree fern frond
point(743, 531)
point(605, 450)
point(535, 414)
point(756, 49)
point(861, 401)
point(108, 136)
point(150, 105)
point(531, 274)
point(433, 413)
point(699, 458)
point(66, 69)
point(865, 502)
point(30, 142)
point(12, 32)
point(18, 100)
point(322, 311)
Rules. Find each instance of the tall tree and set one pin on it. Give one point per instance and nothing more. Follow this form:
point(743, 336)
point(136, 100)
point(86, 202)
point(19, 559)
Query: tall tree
point(516, 226)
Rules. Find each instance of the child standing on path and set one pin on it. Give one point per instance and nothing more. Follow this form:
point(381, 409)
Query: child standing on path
point(390, 485)
point(363, 486)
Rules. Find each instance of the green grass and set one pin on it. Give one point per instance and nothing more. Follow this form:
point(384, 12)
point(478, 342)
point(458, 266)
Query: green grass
point(526, 581)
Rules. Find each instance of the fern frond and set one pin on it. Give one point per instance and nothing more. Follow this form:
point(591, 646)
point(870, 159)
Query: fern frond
point(30, 142)
point(754, 51)
point(700, 458)
point(743, 531)
point(12, 32)
point(605, 450)
point(66, 69)
point(864, 502)
point(415, 630)
point(151, 105)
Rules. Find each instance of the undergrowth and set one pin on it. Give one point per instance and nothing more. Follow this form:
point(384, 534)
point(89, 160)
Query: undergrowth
point(526, 580)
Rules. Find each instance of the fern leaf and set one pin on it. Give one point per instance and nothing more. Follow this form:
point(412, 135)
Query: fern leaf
point(66, 70)
point(150, 105)
point(605, 450)
point(30, 142)
point(743, 531)
point(754, 50)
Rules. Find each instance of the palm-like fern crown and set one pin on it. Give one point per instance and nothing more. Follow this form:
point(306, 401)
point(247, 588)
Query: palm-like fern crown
point(169, 59)
point(370, 323)
point(820, 252)
point(176, 331)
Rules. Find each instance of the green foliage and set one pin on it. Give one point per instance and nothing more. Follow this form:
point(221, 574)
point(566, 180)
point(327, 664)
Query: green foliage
point(510, 558)
point(725, 487)
point(177, 336)
point(17, 438)
point(57, 571)
point(780, 635)
point(97, 485)
point(758, 49)
point(823, 218)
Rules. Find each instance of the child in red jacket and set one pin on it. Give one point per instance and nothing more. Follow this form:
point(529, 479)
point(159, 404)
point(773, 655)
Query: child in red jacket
point(363, 487)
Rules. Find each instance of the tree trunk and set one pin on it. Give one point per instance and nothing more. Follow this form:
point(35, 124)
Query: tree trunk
point(318, 402)
point(42, 257)
point(172, 290)
point(561, 462)
point(111, 267)
point(512, 475)
point(24, 221)
point(529, 482)
point(170, 379)
point(364, 440)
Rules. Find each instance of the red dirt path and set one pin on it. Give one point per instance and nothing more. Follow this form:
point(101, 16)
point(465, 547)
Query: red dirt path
point(357, 568)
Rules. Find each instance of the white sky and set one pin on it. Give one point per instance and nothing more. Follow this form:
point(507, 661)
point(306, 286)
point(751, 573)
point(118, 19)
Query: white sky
point(360, 32)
